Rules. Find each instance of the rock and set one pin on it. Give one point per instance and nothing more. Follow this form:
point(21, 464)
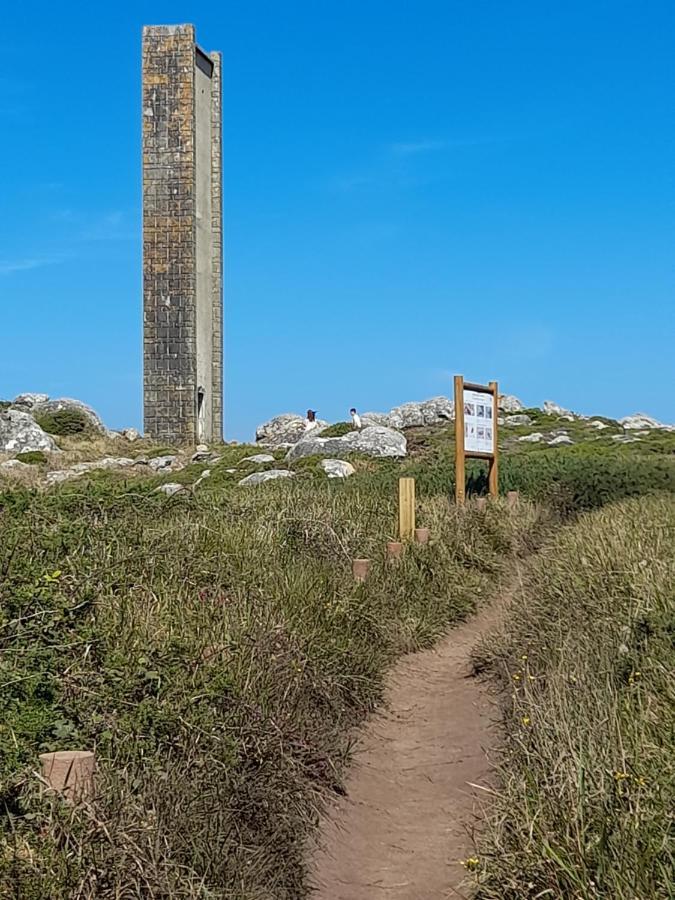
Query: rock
point(596, 423)
point(533, 438)
point(641, 420)
point(131, 434)
point(14, 464)
point(170, 489)
point(510, 404)
point(159, 463)
point(28, 401)
point(373, 440)
point(20, 433)
point(59, 475)
point(259, 458)
point(270, 475)
point(205, 474)
point(625, 439)
point(337, 468)
point(561, 439)
point(66, 403)
point(567, 418)
point(202, 454)
point(413, 415)
point(554, 409)
point(518, 420)
point(285, 429)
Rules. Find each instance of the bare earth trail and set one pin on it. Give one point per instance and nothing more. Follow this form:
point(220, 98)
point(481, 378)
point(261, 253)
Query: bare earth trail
point(402, 829)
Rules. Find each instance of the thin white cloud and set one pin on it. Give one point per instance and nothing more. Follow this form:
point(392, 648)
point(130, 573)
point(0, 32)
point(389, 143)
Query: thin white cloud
point(413, 147)
point(8, 266)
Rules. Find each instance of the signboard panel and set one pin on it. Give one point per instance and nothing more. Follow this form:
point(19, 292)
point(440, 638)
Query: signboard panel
point(479, 421)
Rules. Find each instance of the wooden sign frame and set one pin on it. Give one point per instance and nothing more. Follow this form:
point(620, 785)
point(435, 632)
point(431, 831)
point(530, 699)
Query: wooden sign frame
point(461, 453)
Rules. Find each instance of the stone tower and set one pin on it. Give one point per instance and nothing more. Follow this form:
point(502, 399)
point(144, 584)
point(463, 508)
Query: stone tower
point(182, 238)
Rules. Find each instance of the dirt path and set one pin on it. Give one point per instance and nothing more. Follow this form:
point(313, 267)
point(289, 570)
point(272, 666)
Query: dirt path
point(402, 829)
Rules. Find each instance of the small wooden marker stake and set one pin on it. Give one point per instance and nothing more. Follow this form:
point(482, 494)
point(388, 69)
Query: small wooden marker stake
point(481, 503)
point(69, 773)
point(512, 498)
point(360, 569)
point(406, 508)
point(422, 535)
point(394, 550)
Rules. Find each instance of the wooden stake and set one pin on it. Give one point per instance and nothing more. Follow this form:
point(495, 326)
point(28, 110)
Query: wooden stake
point(360, 569)
point(422, 535)
point(69, 773)
point(512, 498)
point(394, 550)
point(406, 508)
point(493, 473)
point(460, 466)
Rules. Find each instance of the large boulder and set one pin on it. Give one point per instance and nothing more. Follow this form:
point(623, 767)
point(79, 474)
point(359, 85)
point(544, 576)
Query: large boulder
point(414, 415)
point(642, 420)
point(20, 433)
point(283, 430)
point(522, 419)
point(373, 440)
point(555, 409)
point(262, 477)
point(28, 401)
point(337, 468)
point(52, 408)
point(510, 404)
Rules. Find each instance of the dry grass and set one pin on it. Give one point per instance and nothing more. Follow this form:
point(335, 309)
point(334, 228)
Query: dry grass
point(587, 662)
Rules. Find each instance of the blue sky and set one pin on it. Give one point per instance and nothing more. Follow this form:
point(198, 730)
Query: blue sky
point(411, 191)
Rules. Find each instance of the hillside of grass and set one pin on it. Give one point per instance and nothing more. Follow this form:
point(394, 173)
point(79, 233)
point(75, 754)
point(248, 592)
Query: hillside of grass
point(586, 664)
point(215, 652)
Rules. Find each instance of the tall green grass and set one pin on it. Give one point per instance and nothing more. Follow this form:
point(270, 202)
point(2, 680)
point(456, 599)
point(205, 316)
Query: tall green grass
point(215, 652)
point(587, 662)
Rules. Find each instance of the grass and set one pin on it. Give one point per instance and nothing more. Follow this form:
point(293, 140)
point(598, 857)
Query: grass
point(588, 771)
point(215, 652)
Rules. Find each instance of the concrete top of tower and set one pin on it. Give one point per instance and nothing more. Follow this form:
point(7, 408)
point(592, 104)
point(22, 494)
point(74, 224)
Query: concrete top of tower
point(169, 29)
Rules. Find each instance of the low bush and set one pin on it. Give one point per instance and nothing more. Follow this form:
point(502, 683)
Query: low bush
point(33, 457)
point(586, 662)
point(63, 422)
point(337, 430)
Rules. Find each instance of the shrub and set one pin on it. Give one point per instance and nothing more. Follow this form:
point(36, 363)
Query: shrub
point(585, 659)
point(34, 457)
point(337, 430)
point(64, 422)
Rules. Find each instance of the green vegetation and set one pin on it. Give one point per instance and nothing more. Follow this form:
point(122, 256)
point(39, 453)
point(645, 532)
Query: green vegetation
point(33, 457)
point(586, 662)
point(63, 422)
point(337, 430)
point(215, 651)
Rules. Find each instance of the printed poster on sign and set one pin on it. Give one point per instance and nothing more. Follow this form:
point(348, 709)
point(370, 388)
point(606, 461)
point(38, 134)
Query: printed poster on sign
point(478, 422)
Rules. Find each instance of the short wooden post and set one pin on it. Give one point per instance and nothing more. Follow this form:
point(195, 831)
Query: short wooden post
point(512, 498)
point(394, 550)
point(406, 508)
point(493, 472)
point(422, 535)
point(69, 773)
point(360, 569)
point(460, 464)
point(481, 503)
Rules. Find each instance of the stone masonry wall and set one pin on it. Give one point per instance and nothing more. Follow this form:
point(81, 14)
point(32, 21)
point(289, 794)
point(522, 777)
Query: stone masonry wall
point(217, 229)
point(169, 291)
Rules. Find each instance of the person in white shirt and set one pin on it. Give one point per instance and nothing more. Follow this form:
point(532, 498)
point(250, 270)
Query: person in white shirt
point(310, 420)
point(356, 419)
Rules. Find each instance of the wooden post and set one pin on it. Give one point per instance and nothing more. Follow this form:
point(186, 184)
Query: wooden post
point(481, 503)
point(406, 508)
point(512, 499)
point(360, 569)
point(422, 535)
point(394, 550)
point(493, 473)
point(69, 773)
point(460, 468)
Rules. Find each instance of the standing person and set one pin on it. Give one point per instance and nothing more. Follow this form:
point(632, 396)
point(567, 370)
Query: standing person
point(356, 419)
point(310, 420)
